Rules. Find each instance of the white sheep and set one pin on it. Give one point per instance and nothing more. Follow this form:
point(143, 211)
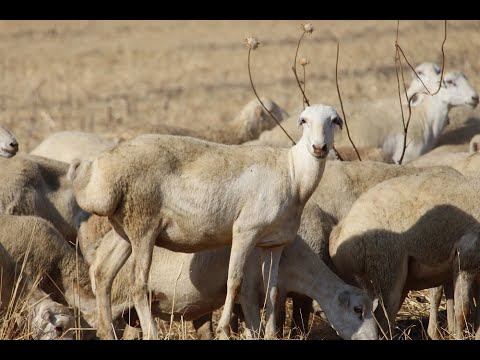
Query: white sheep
point(191, 285)
point(68, 145)
point(379, 123)
point(446, 155)
point(33, 185)
point(411, 233)
point(8, 144)
point(426, 81)
point(49, 319)
point(187, 194)
point(247, 125)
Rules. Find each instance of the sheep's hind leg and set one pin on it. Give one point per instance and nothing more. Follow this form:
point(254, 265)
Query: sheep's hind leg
point(241, 248)
point(115, 251)
point(270, 264)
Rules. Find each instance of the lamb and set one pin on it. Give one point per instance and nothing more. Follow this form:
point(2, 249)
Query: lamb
point(49, 319)
point(194, 283)
point(404, 234)
point(68, 145)
point(247, 125)
point(189, 195)
point(8, 144)
point(446, 155)
point(33, 185)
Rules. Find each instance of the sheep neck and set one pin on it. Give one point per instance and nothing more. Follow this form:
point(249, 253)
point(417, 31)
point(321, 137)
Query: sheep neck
point(436, 119)
point(305, 170)
point(78, 291)
point(312, 277)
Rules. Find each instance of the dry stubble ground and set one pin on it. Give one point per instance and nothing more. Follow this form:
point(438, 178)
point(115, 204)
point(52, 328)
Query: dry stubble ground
point(105, 76)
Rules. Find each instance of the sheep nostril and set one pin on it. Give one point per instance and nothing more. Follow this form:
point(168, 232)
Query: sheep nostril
point(59, 330)
point(324, 148)
point(14, 145)
point(475, 98)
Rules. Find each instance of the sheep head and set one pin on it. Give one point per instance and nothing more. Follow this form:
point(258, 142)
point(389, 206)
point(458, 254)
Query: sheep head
point(318, 122)
point(52, 321)
point(351, 315)
point(8, 144)
point(456, 90)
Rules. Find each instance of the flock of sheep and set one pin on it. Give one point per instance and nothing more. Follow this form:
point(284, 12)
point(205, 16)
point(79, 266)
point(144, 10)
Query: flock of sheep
point(127, 228)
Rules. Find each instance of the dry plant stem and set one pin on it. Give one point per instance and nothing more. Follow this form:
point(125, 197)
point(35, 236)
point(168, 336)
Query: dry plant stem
point(398, 51)
point(304, 85)
point(294, 68)
point(341, 104)
point(255, 91)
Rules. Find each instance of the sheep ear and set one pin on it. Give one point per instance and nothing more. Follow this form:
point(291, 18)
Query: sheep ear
point(338, 121)
point(344, 298)
point(299, 121)
point(474, 147)
point(415, 99)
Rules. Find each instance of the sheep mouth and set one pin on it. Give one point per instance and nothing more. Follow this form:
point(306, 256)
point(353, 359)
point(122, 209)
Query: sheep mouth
point(472, 104)
point(8, 152)
point(320, 155)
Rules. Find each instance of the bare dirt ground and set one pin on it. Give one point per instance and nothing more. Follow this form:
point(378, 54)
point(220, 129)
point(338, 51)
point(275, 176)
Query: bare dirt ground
point(106, 76)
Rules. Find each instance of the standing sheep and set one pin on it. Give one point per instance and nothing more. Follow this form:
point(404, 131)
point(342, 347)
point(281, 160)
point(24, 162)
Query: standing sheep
point(411, 233)
point(189, 195)
point(49, 319)
point(8, 144)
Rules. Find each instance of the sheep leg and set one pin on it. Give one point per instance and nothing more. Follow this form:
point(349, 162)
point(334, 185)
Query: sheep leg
point(251, 313)
point(435, 298)
point(280, 312)
point(463, 284)
point(237, 317)
point(142, 259)
point(476, 294)
point(203, 326)
point(270, 264)
point(301, 309)
point(104, 269)
point(448, 289)
point(241, 249)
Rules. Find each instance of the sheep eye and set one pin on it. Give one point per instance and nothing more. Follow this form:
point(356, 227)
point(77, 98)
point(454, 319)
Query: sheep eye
point(358, 309)
point(450, 82)
point(302, 121)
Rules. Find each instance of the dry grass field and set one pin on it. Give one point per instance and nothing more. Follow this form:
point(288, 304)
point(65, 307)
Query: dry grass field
point(106, 76)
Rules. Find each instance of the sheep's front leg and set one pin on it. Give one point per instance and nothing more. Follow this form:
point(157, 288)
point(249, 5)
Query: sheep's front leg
point(242, 246)
point(270, 264)
point(203, 327)
point(301, 309)
point(251, 311)
point(110, 258)
point(448, 290)
point(435, 295)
